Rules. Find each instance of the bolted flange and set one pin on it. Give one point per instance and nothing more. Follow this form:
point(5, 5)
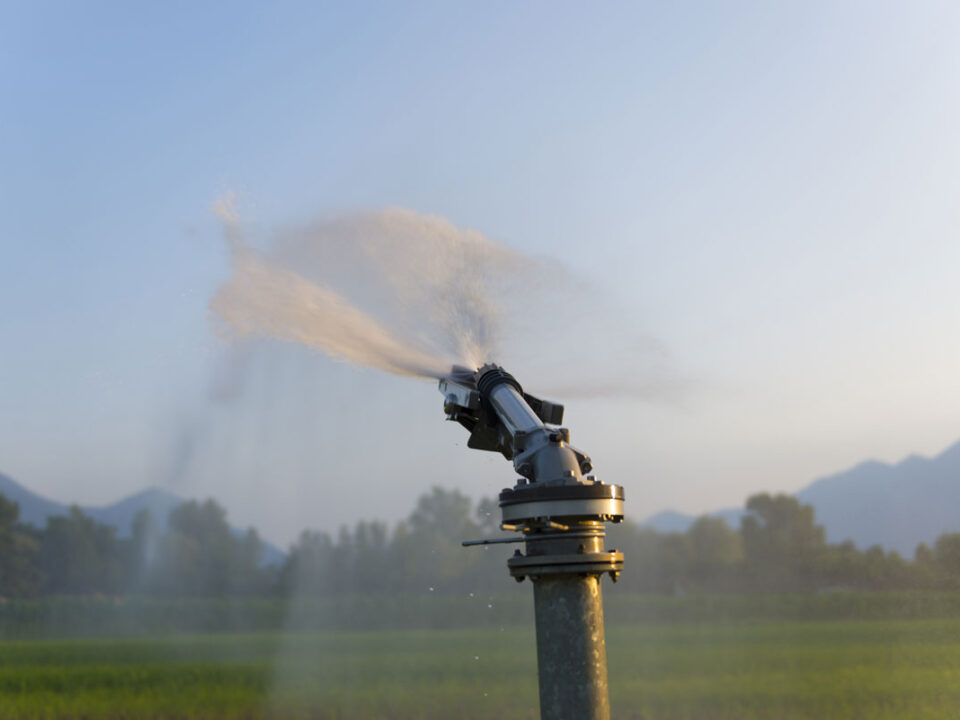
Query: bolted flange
point(589, 501)
point(563, 528)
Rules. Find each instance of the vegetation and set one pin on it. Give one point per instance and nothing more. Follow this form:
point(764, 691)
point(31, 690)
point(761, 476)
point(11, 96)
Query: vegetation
point(716, 622)
point(778, 548)
point(694, 671)
point(506, 606)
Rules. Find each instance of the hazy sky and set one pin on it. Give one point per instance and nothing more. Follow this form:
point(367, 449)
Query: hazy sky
point(767, 190)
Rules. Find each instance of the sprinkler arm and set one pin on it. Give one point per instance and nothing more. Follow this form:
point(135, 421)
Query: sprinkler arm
point(500, 417)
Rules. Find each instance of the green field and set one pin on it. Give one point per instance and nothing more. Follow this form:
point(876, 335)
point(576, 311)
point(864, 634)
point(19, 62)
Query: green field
point(848, 669)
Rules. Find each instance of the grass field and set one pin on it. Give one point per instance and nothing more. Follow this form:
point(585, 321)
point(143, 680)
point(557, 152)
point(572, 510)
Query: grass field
point(874, 669)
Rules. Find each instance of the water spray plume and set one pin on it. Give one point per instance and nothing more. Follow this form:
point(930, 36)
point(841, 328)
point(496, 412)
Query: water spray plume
point(424, 282)
point(263, 298)
point(412, 294)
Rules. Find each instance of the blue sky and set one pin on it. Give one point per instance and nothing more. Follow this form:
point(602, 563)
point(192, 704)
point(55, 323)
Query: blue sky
point(770, 191)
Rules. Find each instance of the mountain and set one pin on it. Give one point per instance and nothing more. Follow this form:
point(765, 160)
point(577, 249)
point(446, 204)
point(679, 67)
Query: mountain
point(120, 515)
point(35, 509)
point(895, 506)
point(669, 521)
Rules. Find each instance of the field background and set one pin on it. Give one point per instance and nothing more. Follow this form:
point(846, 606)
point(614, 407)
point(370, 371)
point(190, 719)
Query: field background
point(691, 657)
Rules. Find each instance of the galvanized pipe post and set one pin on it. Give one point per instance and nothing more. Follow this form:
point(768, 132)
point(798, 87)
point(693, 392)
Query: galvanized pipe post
point(571, 651)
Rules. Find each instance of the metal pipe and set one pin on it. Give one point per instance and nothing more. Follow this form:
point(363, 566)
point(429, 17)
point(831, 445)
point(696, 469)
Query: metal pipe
point(571, 648)
point(539, 453)
point(513, 410)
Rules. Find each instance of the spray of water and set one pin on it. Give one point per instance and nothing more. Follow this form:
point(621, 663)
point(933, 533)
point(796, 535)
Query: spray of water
point(393, 290)
point(414, 295)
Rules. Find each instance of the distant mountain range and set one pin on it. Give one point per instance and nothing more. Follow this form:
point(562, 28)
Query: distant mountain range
point(896, 506)
point(35, 509)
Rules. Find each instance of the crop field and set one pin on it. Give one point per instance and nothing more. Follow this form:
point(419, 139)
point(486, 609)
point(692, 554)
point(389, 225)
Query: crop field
point(846, 669)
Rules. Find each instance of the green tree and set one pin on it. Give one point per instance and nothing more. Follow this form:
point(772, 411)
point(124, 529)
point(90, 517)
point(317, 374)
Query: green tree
point(79, 556)
point(248, 576)
point(309, 567)
point(18, 573)
point(431, 550)
point(371, 558)
point(783, 547)
point(842, 566)
point(200, 555)
point(716, 553)
point(672, 569)
point(925, 567)
point(641, 547)
point(898, 573)
point(946, 555)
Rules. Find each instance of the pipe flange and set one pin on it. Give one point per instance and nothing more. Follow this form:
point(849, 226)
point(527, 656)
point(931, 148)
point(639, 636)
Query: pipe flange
point(573, 564)
point(530, 502)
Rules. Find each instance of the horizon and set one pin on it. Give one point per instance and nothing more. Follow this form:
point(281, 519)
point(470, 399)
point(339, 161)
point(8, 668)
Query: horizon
point(283, 544)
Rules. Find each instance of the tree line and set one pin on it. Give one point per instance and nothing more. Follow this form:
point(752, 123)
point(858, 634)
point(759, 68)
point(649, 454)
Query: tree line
point(777, 548)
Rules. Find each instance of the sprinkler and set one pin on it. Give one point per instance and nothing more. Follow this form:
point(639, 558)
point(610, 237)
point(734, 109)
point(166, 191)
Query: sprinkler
point(558, 511)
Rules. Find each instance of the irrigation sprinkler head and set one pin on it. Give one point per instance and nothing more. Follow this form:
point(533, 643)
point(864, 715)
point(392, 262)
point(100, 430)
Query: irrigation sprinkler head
point(501, 417)
point(558, 509)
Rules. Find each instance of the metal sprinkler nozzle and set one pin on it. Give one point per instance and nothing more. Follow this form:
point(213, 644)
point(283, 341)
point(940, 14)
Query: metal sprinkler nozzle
point(492, 405)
